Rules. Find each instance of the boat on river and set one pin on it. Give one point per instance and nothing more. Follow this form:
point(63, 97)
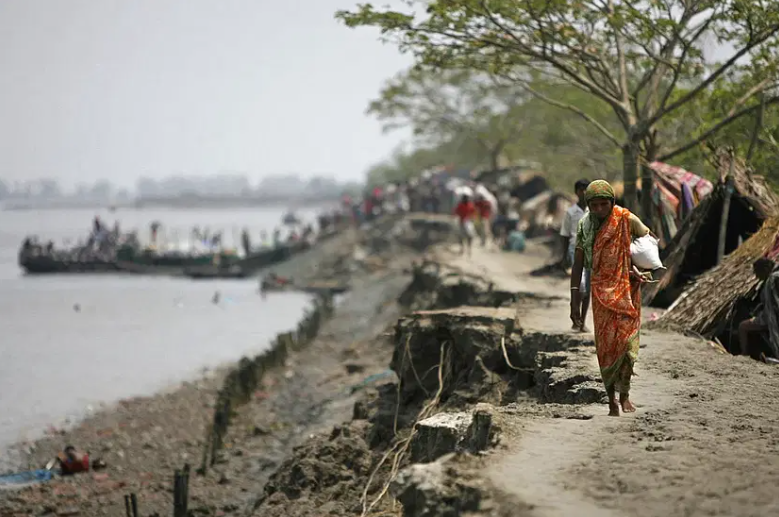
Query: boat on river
point(319, 287)
point(37, 258)
point(126, 255)
point(43, 264)
point(149, 261)
point(248, 265)
point(291, 219)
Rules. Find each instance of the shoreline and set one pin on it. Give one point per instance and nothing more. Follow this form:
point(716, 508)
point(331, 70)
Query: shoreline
point(144, 439)
point(208, 379)
point(303, 266)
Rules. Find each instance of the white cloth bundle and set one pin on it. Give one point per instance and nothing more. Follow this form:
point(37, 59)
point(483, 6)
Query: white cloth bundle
point(645, 253)
point(468, 229)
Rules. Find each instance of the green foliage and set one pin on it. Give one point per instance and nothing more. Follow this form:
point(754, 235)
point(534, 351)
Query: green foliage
point(763, 128)
point(442, 106)
point(644, 60)
point(564, 144)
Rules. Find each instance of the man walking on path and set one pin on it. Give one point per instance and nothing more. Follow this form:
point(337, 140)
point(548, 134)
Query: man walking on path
point(568, 236)
point(465, 212)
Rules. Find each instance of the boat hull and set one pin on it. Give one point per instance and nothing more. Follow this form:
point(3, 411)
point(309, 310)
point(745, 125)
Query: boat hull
point(44, 265)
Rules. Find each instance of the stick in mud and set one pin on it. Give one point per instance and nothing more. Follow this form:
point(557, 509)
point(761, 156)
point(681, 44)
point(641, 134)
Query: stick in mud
point(181, 492)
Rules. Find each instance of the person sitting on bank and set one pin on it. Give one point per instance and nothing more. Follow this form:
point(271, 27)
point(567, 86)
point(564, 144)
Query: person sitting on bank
point(72, 461)
point(767, 318)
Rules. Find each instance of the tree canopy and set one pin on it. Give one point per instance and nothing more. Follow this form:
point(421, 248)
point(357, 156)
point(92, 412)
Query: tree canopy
point(645, 61)
point(441, 106)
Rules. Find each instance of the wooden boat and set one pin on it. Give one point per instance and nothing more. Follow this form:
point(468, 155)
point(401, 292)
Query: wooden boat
point(149, 262)
point(290, 219)
point(130, 259)
point(215, 273)
point(316, 287)
point(48, 264)
point(246, 266)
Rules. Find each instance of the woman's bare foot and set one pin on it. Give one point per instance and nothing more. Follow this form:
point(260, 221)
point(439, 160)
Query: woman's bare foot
point(613, 407)
point(627, 406)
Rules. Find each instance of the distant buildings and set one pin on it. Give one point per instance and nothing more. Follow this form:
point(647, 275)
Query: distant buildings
point(221, 187)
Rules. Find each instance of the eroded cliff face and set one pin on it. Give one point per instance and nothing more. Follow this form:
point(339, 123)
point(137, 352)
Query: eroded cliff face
point(415, 446)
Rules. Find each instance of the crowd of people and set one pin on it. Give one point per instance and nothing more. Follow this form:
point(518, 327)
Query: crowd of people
point(595, 238)
point(100, 245)
point(482, 214)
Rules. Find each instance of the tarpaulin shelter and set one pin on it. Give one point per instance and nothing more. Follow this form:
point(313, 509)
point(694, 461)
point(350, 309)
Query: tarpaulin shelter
point(529, 185)
point(675, 194)
point(694, 249)
point(715, 303)
point(544, 212)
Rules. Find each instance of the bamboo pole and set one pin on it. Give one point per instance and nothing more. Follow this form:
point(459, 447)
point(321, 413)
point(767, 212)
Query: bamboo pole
point(723, 227)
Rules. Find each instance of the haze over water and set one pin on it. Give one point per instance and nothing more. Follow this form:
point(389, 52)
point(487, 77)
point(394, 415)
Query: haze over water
point(133, 335)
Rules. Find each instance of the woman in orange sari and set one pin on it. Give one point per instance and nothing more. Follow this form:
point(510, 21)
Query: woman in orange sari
point(603, 244)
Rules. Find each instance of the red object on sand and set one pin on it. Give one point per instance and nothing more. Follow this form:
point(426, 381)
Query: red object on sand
point(70, 466)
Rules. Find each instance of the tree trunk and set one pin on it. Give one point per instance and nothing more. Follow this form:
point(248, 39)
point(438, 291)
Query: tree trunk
point(630, 168)
point(495, 153)
point(648, 215)
point(495, 160)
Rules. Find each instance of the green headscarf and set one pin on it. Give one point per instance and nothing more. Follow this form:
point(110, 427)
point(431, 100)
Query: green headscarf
point(589, 225)
point(599, 189)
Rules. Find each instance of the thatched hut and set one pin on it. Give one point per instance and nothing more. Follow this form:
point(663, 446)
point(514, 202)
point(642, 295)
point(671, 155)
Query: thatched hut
point(694, 248)
point(721, 298)
point(544, 212)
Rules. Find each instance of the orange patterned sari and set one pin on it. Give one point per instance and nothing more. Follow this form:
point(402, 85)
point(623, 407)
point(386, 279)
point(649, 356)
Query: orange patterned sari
point(616, 304)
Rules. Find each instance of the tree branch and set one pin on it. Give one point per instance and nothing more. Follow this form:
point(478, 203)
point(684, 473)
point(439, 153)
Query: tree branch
point(622, 70)
point(756, 130)
point(687, 45)
point(724, 122)
point(714, 75)
point(600, 127)
point(759, 87)
point(550, 59)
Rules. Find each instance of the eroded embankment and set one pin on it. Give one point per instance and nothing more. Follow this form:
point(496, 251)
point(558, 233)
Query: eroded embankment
point(413, 446)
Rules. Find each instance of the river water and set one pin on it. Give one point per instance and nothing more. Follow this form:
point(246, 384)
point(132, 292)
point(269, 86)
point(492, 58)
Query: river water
point(133, 335)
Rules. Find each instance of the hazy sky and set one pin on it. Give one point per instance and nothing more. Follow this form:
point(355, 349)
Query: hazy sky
point(123, 88)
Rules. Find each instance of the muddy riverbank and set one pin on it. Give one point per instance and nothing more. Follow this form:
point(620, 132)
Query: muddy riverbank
point(455, 387)
point(497, 409)
point(143, 440)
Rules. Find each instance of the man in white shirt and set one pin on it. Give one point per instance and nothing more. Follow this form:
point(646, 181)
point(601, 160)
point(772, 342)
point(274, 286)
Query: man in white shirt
point(568, 236)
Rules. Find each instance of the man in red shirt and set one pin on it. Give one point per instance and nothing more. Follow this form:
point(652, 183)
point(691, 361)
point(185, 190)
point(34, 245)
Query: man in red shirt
point(465, 212)
point(484, 209)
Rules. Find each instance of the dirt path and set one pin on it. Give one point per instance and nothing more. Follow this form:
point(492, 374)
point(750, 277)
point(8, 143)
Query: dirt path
point(703, 442)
